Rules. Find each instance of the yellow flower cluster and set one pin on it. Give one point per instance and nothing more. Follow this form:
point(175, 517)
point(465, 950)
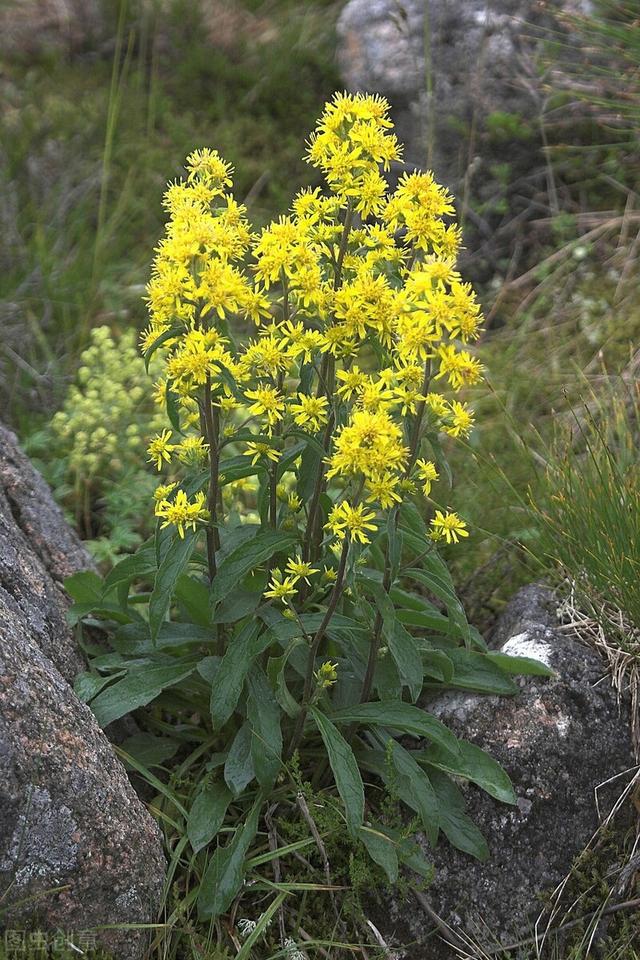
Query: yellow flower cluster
point(360, 313)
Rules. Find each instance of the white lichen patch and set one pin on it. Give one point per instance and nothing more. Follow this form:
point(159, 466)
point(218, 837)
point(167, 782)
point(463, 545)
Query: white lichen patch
point(521, 645)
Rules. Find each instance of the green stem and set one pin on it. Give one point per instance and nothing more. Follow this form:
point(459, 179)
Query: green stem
point(367, 683)
point(315, 645)
point(211, 424)
point(417, 426)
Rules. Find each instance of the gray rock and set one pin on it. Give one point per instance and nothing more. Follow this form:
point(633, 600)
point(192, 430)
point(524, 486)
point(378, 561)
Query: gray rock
point(465, 94)
point(38, 550)
point(78, 850)
point(559, 740)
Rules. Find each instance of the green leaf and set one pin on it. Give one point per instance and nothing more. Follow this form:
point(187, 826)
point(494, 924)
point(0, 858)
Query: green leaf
point(263, 715)
point(459, 830)
point(437, 664)
point(345, 771)
point(404, 717)
point(238, 769)
point(207, 814)
point(521, 666)
point(401, 644)
point(231, 673)
point(86, 686)
point(431, 620)
point(245, 558)
point(225, 872)
point(193, 594)
point(169, 334)
point(135, 638)
point(172, 405)
point(415, 790)
point(84, 587)
point(243, 600)
point(310, 466)
point(173, 564)
point(276, 670)
point(236, 468)
point(134, 567)
point(475, 671)
point(382, 851)
point(475, 765)
point(149, 750)
point(102, 610)
point(137, 689)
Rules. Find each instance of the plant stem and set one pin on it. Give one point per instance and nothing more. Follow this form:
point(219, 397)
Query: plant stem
point(211, 424)
point(326, 377)
point(367, 683)
point(315, 644)
point(415, 440)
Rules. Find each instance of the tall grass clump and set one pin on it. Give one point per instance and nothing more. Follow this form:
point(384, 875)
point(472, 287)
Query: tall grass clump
point(590, 518)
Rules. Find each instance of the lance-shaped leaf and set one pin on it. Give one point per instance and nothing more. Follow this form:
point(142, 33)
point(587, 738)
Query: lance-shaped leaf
point(263, 715)
point(207, 814)
point(138, 688)
point(473, 764)
point(231, 673)
point(174, 563)
point(245, 558)
point(238, 769)
point(381, 849)
point(345, 771)
point(403, 717)
point(225, 873)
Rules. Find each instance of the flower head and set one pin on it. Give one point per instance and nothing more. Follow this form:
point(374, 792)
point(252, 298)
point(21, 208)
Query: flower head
point(448, 526)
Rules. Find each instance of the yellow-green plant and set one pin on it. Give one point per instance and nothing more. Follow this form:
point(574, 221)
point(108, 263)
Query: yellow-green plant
point(92, 450)
point(282, 614)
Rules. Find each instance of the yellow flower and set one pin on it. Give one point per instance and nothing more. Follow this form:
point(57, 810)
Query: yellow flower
point(448, 526)
point(354, 522)
point(370, 444)
point(192, 451)
point(163, 491)
point(299, 569)
point(352, 381)
point(209, 165)
point(326, 675)
point(427, 473)
point(258, 450)
point(160, 449)
point(459, 366)
point(310, 411)
point(266, 402)
point(383, 490)
point(461, 420)
point(182, 512)
point(281, 588)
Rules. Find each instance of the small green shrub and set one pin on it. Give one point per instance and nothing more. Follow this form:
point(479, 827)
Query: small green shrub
point(91, 451)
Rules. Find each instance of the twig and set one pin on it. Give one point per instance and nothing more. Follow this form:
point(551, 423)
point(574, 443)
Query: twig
point(614, 908)
point(445, 930)
point(277, 873)
point(306, 813)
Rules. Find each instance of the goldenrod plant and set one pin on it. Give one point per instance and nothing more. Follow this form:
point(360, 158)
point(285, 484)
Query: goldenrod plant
point(293, 599)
